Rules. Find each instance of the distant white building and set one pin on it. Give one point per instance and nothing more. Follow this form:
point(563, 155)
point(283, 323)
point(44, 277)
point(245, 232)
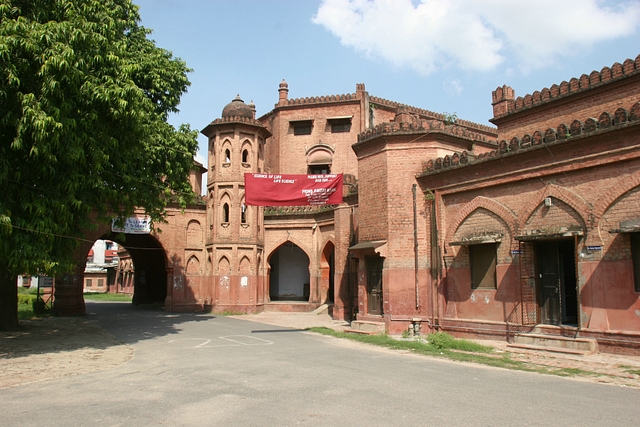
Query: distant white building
point(102, 262)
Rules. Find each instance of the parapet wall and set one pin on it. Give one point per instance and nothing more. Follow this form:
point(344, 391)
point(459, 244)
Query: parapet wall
point(424, 126)
point(504, 101)
point(562, 133)
point(427, 114)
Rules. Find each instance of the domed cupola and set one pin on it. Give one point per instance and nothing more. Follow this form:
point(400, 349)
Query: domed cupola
point(237, 108)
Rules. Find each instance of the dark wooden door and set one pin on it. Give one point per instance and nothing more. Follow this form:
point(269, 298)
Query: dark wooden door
point(374, 284)
point(549, 282)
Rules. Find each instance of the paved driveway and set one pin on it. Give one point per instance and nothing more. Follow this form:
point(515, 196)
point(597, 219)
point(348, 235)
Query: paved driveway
point(199, 370)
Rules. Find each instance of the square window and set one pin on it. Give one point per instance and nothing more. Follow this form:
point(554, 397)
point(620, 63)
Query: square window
point(483, 265)
point(342, 125)
point(302, 127)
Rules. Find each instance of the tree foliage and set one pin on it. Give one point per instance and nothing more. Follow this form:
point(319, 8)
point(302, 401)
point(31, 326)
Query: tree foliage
point(84, 101)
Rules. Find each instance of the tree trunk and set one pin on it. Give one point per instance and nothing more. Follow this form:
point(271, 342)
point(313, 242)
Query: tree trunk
point(8, 301)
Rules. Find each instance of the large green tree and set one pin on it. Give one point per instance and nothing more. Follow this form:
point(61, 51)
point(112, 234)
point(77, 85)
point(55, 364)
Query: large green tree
point(84, 101)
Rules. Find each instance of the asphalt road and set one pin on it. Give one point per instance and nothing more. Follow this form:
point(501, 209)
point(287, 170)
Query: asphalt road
point(199, 370)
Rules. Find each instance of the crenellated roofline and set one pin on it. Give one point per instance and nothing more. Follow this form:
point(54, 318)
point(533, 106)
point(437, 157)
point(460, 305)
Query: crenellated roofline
point(232, 120)
point(423, 127)
point(538, 139)
point(505, 103)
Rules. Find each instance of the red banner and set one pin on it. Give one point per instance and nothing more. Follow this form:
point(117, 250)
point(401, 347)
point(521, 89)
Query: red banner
point(292, 190)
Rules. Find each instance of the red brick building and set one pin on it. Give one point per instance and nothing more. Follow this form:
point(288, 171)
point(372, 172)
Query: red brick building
point(529, 226)
point(538, 234)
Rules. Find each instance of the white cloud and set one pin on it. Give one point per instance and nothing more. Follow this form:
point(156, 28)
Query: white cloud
point(431, 35)
point(452, 87)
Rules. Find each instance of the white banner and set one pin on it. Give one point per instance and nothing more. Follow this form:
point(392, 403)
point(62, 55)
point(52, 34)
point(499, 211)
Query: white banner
point(133, 225)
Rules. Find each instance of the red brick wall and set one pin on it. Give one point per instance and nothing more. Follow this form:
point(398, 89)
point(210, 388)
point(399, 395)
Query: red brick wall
point(593, 183)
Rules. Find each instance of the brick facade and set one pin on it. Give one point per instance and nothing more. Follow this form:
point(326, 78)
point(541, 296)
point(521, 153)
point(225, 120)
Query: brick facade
point(559, 175)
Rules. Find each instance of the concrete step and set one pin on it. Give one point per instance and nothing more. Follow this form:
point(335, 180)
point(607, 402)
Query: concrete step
point(367, 327)
point(555, 343)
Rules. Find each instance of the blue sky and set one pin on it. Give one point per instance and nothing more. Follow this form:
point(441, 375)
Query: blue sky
point(440, 55)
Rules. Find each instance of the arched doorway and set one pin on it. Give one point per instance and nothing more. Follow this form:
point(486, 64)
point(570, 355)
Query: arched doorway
point(327, 272)
point(289, 275)
point(150, 267)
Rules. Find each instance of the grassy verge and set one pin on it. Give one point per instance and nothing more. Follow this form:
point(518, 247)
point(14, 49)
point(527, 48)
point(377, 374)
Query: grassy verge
point(445, 346)
point(630, 369)
point(26, 300)
point(107, 297)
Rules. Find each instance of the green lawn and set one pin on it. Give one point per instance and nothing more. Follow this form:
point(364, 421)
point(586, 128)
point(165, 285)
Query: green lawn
point(107, 297)
point(27, 297)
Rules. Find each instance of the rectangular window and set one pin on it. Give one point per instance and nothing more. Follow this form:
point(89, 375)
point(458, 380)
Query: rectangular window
point(100, 283)
point(87, 283)
point(301, 127)
point(635, 256)
point(319, 169)
point(483, 265)
point(340, 125)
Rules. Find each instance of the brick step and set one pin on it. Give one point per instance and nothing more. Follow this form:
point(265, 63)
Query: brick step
point(291, 306)
point(355, 331)
point(555, 343)
point(548, 349)
point(368, 327)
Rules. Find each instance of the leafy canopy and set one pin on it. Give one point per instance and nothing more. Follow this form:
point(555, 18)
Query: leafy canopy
point(84, 97)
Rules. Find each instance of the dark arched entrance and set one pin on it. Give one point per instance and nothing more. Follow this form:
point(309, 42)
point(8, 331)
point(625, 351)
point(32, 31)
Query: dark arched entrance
point(149, 260)
point(327, 273)
point(289, 276)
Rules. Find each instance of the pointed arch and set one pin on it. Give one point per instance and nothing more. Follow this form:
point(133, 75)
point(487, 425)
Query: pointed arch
point(497, 208)
point(609, 197)
point(224, 266)
point(244, 267)
point(193, 266)
point(327, 272)
point(194, 233)
point(225, 207)
point(246, 150)
point(244, 210)
point(290, 273)
point(226, 150)
point(298, 243)
point(579, 205)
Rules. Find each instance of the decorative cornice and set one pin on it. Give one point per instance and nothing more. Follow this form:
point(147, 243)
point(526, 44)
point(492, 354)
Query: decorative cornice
point(296, 210)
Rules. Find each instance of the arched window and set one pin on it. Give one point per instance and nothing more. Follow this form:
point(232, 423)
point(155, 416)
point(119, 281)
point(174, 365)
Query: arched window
point(243, 213)
point(225, 212)
point(245, 156)
point(227, 156)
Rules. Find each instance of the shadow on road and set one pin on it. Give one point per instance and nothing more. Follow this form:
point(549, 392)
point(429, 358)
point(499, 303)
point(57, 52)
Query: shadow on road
point(106, 324)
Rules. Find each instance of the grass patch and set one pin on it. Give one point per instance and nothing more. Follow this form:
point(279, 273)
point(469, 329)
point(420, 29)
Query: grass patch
point(26, 300)
point(444, 345)
point(570, 372)
point(439, 345)
point(630, 369)
point(107, 297)
point(25, 306)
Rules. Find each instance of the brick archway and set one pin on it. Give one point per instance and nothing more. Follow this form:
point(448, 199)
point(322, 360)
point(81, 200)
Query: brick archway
point(582, 208)
point(504, 213)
